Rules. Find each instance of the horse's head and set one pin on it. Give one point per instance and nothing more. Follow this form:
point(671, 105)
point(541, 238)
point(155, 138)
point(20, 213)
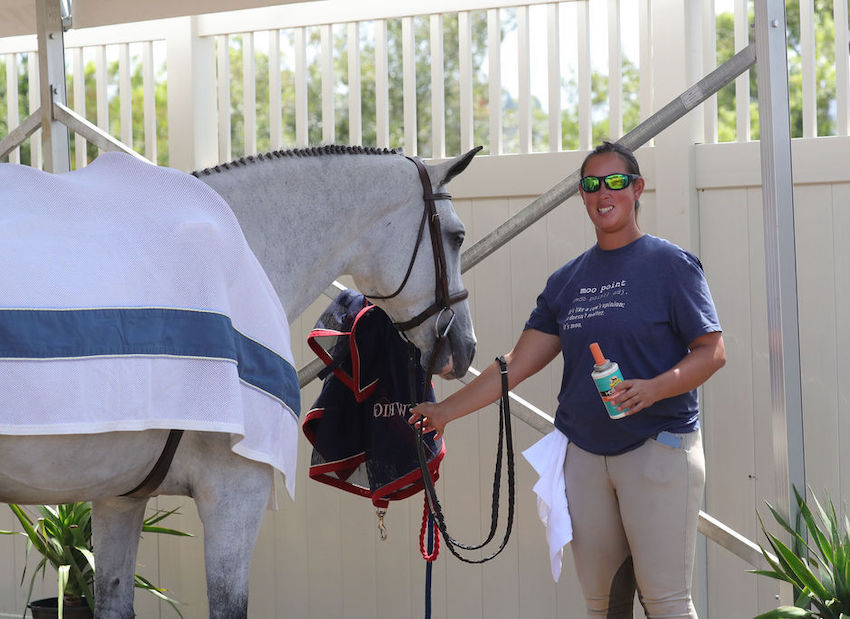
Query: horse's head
point(418, 282)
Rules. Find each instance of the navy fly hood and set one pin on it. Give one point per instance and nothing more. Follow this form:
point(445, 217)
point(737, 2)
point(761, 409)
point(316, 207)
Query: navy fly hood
point(358, 426)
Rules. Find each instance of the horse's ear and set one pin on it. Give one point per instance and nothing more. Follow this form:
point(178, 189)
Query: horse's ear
point(443, 172)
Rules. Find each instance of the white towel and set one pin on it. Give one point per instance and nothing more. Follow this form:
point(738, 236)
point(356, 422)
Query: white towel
point(131, 301)
point(547, 457)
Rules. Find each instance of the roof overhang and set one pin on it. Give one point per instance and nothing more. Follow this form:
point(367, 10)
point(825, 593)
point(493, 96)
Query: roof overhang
point(18, 17)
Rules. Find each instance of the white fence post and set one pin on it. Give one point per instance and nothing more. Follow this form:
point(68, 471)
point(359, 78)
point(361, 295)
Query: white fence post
point(355, 108)
point(615, 71)
point(524, 78)
point(225, 152)
point(494, 41)
point(34, 100)
point(149, 87)
point(408, 46)
point(742, 84)
point(249, 96)
point(382, 88)
point(675, 191)
point(193, 140)
point(438, 97)
point(328, 83)
point(13, 117)
point(554, 61)
point(80, 148)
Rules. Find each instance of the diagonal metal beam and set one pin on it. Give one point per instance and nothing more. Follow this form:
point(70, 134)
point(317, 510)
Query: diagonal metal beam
point(19, 134)
point(72, 121)
point(90, 132)
point(635, 138)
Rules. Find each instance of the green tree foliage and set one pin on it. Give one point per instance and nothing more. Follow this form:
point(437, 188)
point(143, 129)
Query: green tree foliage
point(138, 118)
point(824, 28)
point(114, 113)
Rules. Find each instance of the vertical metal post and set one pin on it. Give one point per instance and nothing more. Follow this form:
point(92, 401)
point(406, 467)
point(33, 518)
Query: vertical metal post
point(780, 255)
point(51, 71)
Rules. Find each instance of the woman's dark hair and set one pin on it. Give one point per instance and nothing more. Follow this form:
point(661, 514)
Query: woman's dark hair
point(625, 154)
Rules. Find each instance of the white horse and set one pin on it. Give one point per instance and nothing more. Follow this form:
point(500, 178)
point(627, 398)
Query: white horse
point(309, 216)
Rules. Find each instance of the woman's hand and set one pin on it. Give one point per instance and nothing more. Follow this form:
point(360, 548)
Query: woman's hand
point(430, 416)
point(707, 355)
point(634, 395)
point(531, 353)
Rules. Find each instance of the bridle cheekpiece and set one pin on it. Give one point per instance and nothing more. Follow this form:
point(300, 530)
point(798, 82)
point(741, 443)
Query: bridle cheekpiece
point(443, 298)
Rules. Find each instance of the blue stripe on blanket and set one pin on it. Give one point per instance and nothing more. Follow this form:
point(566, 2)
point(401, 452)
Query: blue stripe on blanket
point(61, 334)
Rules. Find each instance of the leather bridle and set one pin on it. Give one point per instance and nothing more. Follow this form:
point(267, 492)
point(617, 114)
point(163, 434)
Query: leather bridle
point(442, 304)
point(443, 298)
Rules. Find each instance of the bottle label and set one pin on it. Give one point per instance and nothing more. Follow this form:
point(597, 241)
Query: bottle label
point(605, 385)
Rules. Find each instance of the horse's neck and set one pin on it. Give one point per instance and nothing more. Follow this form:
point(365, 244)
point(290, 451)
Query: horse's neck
point(306, 217)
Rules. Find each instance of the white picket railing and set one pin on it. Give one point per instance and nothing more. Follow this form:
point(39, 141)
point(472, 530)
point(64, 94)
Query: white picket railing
point(129, 46)
point(544, 53)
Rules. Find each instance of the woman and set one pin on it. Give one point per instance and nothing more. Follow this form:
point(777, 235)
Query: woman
point(634, 485)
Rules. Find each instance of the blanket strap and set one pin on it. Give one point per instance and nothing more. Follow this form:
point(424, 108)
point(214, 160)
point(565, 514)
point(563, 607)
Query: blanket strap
point(159, 470)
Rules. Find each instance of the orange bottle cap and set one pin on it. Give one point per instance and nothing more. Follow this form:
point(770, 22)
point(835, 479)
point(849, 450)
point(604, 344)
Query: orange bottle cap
point(598, 357)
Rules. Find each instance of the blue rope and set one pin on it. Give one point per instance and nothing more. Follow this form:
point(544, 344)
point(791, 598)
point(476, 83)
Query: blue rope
point(429, 565)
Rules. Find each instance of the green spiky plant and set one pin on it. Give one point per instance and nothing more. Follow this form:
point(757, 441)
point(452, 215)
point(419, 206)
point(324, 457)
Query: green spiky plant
point(62, 535)
point(819, 570)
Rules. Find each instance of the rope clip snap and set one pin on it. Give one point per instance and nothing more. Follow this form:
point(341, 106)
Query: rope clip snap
point(382, 529)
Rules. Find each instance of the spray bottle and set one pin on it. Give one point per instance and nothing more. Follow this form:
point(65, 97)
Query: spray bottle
point(606, 374)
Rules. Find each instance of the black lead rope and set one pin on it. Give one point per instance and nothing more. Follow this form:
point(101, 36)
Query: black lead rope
point(506, 441)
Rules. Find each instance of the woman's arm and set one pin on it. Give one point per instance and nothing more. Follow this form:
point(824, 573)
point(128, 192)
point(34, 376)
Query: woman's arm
point(707, 355)
point(532, 352)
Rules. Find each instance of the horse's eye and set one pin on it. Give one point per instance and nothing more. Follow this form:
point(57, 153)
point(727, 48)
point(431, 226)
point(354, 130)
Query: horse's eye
point(458, 238)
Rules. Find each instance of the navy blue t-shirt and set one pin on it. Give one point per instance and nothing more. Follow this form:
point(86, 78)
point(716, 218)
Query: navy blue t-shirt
point(644, 303)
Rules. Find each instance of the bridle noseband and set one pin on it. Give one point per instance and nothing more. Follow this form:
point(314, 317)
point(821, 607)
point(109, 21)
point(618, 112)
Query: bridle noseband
point(443, 298)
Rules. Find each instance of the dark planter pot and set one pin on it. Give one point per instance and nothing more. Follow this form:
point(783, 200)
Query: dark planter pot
point(48, 608)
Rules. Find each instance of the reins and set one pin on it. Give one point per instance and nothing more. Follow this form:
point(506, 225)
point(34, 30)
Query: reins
point(442, 303)
point(432, 503)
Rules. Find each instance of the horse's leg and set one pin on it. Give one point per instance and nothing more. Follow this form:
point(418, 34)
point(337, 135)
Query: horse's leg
point(231, 506)
point(116, 527)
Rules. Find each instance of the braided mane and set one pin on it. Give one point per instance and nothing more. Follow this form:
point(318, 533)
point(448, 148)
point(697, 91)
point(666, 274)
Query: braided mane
point(314, 151)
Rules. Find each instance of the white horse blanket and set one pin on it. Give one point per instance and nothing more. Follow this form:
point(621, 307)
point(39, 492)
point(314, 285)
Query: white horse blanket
point(130, 300)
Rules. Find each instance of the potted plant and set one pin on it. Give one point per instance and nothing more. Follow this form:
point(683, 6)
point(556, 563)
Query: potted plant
point(62, 535)
point(819, 569)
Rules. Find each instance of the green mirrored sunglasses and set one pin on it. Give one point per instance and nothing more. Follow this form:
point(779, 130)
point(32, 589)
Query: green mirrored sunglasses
point(613, 181)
